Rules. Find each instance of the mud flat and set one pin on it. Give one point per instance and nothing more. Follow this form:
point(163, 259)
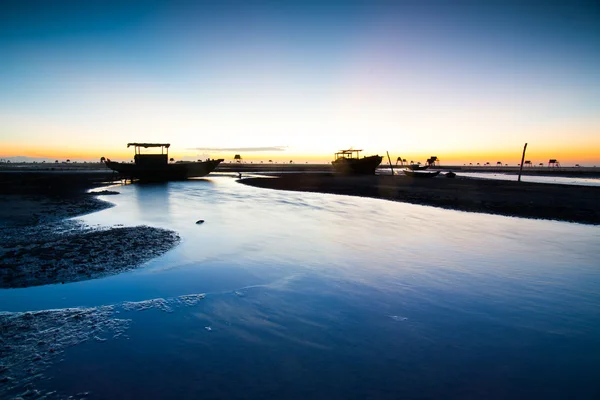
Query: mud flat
point(69, 252)
point(39, 246)
point(521, 199)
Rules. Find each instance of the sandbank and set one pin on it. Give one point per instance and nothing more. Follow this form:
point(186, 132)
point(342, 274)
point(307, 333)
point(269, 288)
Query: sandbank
point(520, 199)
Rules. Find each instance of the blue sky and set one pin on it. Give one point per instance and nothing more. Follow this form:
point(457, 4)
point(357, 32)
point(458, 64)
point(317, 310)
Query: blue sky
point(409, 77)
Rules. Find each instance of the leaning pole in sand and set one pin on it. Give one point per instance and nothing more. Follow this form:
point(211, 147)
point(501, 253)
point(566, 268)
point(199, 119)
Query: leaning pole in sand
point(390, 161)
point(522, 158)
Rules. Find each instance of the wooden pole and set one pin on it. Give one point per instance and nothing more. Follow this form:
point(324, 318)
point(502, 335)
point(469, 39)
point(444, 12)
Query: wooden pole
point(522, 160)
point(390, 160)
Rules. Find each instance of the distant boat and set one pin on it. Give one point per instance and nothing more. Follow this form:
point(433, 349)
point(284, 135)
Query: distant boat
point(156, 167)
point(417, 167)
point(349, 162)
point(420, 174)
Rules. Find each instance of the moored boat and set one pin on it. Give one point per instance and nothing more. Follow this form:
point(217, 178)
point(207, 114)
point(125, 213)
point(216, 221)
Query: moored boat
point(156, 167)
point(420, 174)
point(417, 167)
point(349, 162)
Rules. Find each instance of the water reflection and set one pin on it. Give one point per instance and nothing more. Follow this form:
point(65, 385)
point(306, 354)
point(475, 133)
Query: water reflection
point(152, 199)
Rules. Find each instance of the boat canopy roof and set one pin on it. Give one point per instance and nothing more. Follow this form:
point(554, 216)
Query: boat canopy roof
point(146, 145)
point(347, 153)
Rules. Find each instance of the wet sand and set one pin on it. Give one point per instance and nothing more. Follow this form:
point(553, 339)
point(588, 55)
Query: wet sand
point(40, 246)
point(520, 199)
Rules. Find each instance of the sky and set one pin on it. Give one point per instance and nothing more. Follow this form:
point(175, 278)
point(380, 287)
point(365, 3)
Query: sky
point(470, 81)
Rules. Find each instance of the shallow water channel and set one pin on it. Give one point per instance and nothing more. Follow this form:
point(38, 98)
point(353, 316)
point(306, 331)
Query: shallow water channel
point(330, 296)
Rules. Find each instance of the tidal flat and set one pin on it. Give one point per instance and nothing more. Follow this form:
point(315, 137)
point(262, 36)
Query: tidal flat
point(520, 199)
point(41, 244)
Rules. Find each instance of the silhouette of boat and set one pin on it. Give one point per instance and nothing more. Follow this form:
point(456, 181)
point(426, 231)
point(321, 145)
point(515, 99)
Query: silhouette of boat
point(349, 162)
point(156, 167)
point(417, 167)
point(420, 174)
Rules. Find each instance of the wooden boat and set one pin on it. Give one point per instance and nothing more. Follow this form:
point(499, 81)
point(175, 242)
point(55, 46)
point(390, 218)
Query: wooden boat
point(420, 174)
point(417, 167)
point(156, 167)
point(349, 162)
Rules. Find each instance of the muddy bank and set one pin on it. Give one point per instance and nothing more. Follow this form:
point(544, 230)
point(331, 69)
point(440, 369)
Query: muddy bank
point(39, 246)
point(38, 197)
point(69, 252)
point(529, 200)
point(52, 182)
point(31, 210)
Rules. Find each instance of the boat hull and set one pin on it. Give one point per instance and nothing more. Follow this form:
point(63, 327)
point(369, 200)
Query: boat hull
point(351, 166)
point(167, 172)
point(421, 174)
point(415, 167)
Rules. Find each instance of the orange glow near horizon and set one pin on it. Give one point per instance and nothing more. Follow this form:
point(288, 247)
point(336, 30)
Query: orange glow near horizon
point(566, 155)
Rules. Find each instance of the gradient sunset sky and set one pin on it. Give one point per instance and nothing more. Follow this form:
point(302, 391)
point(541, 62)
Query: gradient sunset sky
point(468, 81)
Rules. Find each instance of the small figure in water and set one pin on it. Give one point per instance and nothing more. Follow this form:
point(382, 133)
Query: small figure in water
point(239, 175)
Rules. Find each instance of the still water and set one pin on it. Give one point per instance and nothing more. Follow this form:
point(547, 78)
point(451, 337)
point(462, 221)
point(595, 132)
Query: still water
point(325, 296)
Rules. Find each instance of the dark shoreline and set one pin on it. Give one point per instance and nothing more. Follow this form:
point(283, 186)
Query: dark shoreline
point(579, 204)
point(27, 171)
point(582, 172)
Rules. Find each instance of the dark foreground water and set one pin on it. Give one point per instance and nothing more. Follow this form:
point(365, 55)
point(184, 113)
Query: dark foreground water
point(324, 296)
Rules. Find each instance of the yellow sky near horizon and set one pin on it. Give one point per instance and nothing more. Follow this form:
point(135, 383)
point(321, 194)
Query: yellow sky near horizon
point(566, 153)
point(466, 136)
